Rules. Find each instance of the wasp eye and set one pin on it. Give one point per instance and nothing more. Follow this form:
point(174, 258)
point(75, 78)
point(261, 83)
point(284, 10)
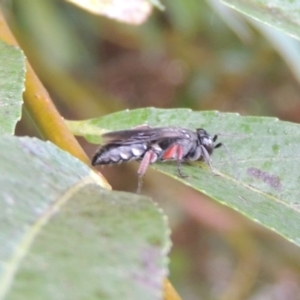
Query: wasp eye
point(208, 143)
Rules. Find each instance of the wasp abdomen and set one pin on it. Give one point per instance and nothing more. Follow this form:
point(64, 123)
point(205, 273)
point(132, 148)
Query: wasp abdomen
point(113, 154)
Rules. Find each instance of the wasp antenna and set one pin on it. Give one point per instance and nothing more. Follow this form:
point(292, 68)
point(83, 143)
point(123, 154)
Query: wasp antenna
point(218, 145)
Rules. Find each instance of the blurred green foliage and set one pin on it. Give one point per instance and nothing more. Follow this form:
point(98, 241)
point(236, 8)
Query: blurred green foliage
point(186, 56)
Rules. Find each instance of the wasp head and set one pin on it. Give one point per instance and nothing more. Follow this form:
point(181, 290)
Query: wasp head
point(207, 141)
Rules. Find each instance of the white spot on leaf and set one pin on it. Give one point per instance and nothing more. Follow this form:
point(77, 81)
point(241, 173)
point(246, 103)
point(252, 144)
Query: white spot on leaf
point(128, 11)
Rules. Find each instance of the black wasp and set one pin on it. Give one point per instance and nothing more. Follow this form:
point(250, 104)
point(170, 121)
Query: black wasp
point(148, 145)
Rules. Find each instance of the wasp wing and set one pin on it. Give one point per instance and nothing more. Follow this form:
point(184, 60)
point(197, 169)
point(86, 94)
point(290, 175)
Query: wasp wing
point(134, 136)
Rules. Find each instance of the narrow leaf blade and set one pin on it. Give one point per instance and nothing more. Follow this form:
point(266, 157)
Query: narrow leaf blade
point(12, 78)
point(283, 15)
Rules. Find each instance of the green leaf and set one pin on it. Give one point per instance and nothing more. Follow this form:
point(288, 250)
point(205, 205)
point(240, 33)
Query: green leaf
point(262, 183)
point(157, 3)
point(64, 237)
point(281, 14)
point(12, 77)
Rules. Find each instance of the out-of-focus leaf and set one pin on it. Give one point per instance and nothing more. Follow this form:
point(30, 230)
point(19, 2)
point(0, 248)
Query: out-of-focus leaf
point(262, 182)
point(12, 77)
point(281, 14)
point(233, 20)
point(287, 47)
point(55, 40)
point(64, 237)
point(130, 11)
point(157, 4)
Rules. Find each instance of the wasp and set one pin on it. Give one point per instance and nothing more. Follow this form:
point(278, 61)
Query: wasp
point(151, 144)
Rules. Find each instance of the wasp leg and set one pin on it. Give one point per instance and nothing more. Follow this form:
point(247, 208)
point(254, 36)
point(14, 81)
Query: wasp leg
point(179, 156)
point(206, 159)
point(149, 157)
point(181, 175)
point(175, 152)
